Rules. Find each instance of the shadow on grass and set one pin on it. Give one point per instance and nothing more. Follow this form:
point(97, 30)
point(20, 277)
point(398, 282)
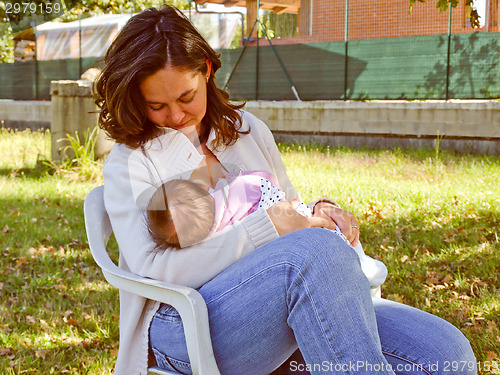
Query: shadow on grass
point(26, 172)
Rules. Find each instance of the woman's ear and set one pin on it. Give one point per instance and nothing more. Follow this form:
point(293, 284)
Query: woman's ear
point(209, 69)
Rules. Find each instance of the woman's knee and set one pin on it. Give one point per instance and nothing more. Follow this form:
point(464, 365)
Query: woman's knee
point(455, 355)
point(423, 339)
point(321, 249)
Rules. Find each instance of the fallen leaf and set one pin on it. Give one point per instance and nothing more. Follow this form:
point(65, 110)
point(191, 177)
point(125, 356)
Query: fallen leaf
point(5, 229)
point(40, 353)
point(432, 281)
point(492, 326)
point(70, 321)
point(21, 261)
point(396, 298)
point(490, 356)
point(6, 351)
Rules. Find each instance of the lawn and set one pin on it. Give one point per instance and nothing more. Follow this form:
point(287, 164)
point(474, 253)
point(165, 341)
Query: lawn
point(431, 216)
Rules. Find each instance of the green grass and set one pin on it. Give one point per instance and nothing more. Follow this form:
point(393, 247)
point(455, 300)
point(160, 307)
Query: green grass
point(433, 219)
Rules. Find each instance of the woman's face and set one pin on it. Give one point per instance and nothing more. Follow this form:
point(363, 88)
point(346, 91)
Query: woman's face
point(175, 97)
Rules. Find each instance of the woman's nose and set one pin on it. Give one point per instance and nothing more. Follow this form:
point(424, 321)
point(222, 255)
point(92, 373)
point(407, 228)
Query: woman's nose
point(176, 115)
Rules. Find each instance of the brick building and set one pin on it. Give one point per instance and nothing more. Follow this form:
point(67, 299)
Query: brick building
point(324, 20)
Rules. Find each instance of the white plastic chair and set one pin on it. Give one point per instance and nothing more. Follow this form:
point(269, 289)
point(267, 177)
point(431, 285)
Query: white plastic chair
point(188, 302)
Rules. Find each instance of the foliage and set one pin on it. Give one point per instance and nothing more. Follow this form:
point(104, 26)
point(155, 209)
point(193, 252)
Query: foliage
point(79, 161)
point(236, 42)
point(284, 25)
point(90, 8)
point(81, 158)
point(443, 5)
point(6, 44)
point(21, 14)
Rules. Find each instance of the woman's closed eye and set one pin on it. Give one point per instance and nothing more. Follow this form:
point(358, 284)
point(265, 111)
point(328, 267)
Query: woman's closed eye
point(187, 100)
point(157, 107)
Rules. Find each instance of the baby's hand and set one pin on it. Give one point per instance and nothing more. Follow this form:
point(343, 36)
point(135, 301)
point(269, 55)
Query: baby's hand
point(286, 219)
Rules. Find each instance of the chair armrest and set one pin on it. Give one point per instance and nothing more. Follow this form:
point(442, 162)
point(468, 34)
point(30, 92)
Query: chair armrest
point(187, 301)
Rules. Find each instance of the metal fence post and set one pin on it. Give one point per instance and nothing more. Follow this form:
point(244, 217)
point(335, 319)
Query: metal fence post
point(448, 56)
point(80, 67)
point(257, 54)
point(346, 51)
point(36, 60)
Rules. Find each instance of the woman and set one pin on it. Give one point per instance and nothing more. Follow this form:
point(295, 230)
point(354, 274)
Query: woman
point(272, 283)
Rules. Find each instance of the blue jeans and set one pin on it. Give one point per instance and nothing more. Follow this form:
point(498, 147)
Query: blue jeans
point(306, 291)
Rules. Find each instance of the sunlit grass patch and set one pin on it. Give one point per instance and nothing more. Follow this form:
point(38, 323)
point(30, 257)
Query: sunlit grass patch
point(432, 218)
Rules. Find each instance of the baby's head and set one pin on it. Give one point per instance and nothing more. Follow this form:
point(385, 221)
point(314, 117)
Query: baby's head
point(180, 214)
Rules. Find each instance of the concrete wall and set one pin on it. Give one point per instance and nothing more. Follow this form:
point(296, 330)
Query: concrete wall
point(465, 126)
point(30, 114)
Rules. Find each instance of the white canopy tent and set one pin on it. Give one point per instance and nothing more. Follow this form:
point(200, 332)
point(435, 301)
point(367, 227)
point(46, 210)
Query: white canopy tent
point(90, 37)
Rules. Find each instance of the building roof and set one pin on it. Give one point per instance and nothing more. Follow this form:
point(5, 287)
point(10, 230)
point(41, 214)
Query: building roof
point(277, 6)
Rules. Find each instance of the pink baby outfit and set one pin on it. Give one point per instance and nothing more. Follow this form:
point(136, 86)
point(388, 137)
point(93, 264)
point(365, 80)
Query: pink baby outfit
point(241, 193)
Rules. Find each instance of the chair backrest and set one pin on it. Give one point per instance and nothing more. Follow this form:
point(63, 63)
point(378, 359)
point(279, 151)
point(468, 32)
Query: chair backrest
point(187, 301)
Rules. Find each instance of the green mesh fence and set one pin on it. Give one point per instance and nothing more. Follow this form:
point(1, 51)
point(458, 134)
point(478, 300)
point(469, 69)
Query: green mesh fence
point(388, 68)
point(30, 80)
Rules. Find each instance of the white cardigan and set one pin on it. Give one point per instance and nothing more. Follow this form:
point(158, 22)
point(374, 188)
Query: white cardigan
point(130, 178)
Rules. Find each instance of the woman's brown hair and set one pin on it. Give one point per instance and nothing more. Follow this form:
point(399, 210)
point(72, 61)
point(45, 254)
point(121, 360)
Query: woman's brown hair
point(150, 41)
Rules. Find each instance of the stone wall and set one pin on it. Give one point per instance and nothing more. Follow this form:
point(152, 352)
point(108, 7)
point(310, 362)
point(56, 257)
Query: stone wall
point(464, 126)
point(29, 114)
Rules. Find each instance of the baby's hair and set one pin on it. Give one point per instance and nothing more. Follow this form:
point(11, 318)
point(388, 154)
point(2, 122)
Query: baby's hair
point(180, 214)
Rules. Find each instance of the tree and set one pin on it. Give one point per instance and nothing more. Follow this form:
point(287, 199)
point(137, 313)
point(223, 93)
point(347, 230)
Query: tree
point(283, 25)
point(90, 8)
point(444, 4)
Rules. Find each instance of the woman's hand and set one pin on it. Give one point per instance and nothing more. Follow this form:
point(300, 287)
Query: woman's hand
point(345, 220)
point(286, 219)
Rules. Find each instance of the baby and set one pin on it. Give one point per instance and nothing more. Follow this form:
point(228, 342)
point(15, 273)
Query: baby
point(182, 212)
point(199, 212)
